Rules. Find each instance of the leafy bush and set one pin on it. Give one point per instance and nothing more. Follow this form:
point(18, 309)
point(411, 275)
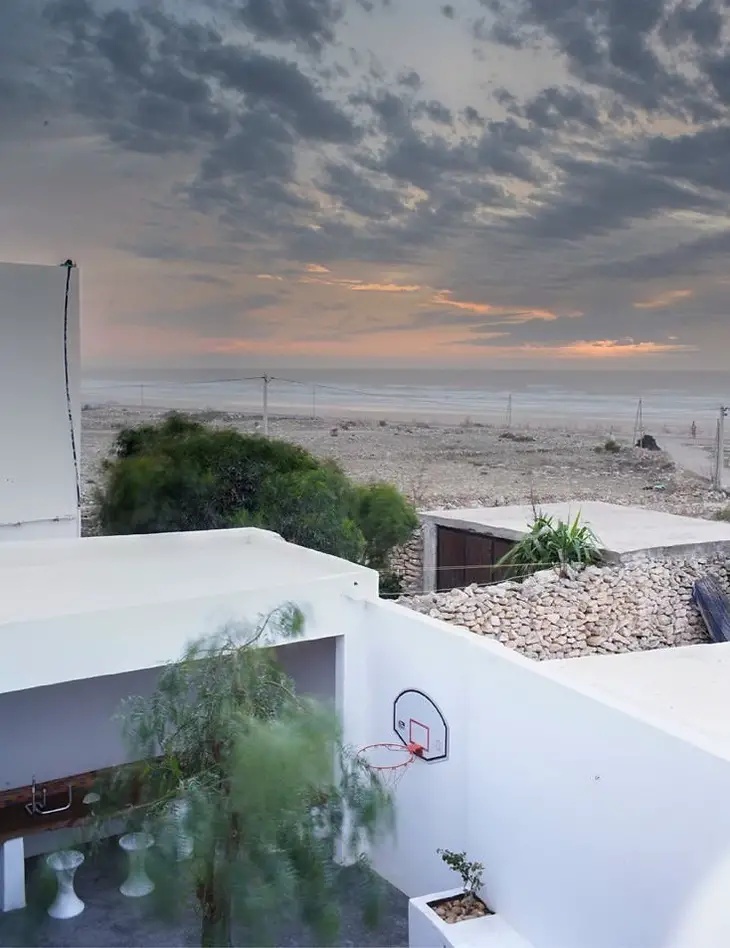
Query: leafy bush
point(552, 543)
point(386, 519)
point(311, 508)
point(612, 446)
point(722, 514)
point(184, 475)
point(391, 585)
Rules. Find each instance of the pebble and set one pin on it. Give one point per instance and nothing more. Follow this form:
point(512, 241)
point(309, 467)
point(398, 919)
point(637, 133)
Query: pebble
point(608, 609)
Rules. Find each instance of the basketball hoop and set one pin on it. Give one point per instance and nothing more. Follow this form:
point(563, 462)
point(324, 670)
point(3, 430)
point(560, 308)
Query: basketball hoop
point(388, 762)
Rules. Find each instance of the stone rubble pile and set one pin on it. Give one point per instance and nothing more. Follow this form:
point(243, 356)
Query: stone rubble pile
point(621, 608)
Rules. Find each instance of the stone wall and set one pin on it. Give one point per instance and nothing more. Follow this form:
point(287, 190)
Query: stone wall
point(630, 607)
point(407, 561)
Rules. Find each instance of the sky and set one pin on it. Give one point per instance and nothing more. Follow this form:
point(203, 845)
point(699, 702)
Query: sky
point(478, 183)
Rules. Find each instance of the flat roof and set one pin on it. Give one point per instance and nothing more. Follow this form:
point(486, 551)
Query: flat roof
point(83, 608)
point(40, 579)
point(684, 690)
point(620, 530)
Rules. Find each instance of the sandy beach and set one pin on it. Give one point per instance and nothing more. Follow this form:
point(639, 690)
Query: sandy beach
point(439, 465)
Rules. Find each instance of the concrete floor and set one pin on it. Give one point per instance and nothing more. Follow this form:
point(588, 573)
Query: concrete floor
point(110, 919)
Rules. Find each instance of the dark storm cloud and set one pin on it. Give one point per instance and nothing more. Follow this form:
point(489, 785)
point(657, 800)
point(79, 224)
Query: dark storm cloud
point(448, 11)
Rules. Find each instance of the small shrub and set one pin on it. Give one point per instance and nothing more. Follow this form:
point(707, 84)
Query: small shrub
point(383, 423)
point(517, 438)
point(471, 872)
point(552, 543)
point(722, 514)
point(391, 585)
point(612, 446)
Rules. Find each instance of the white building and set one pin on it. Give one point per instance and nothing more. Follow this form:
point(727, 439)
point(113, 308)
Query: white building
point(593, 790)
point(39, 392)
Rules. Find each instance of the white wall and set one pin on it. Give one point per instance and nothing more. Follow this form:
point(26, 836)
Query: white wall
point(593, 824)
point(65, 729)
point(71, 728)
point(37, 475)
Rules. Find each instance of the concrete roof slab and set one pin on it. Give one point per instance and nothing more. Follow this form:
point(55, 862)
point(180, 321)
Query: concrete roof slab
point(623, 532)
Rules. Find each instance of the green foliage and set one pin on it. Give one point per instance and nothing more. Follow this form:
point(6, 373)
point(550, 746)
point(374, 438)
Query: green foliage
point(313, 509)
point(391, 585)
point(386, 520)
point(184, 475)
point(471, 872)
point(265, 781)
point(612, 446)
point(722, 514)
point(552, 543)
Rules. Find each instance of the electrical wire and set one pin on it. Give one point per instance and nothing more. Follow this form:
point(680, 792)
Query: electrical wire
point(69, 265)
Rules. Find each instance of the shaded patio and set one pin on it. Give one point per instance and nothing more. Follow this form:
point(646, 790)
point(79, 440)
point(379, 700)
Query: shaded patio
point(111, 920)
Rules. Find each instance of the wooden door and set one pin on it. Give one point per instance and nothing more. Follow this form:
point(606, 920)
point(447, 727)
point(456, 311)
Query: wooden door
point(463, 558)
point(450, 553)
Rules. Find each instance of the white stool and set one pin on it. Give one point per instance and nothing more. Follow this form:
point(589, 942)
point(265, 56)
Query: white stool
point(65, 863)
point(179, 812)
point(137, 883)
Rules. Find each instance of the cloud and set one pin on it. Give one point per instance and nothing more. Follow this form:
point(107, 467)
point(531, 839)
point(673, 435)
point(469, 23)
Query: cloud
point(579, 166)
point(664, 299)
point(308, 22)
point(508, 313)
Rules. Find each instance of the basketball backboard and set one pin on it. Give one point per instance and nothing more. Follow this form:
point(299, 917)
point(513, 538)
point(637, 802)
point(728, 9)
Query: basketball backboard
point(417, 720)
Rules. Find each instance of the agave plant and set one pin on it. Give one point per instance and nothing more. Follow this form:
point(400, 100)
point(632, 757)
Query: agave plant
point(552, 542)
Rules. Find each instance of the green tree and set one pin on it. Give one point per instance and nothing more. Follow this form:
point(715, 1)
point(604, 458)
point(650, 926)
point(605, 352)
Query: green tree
point(184, 475)
point(313, 509)
point(268, 791)
point(386, 520)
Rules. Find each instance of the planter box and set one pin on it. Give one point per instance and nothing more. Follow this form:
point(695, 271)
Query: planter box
point(427, 930)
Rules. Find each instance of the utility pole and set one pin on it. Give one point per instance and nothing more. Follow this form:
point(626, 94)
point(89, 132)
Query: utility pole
point(720, 458)
point(141, 395)
point(266, 380)
point(639, 423)
point(509, 412)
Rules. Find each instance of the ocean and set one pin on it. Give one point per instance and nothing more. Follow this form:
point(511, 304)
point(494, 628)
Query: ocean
point(669, 400)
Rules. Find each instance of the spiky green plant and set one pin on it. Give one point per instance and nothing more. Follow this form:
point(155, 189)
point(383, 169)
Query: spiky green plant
point(267, 787)
point(553, 543)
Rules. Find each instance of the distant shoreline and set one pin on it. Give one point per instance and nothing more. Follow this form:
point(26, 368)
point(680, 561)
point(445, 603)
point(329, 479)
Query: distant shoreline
point(597, 423)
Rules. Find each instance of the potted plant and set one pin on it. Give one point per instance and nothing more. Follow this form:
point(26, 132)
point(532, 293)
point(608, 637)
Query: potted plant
point(466, 904)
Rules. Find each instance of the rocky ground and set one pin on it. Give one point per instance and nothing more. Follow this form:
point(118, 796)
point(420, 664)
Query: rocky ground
point(627, 608)
point(452, 466)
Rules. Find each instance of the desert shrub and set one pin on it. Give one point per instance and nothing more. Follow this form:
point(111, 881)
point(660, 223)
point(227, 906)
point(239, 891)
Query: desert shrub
point(184, 475)
point(551, 542)
point(612, 446)
point(313, 509)
point(391, 585)
point(722, 514)
point(386, 520)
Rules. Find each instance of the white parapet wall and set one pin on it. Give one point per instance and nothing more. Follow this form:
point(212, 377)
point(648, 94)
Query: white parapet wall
point(38, 473)
point(596, 819)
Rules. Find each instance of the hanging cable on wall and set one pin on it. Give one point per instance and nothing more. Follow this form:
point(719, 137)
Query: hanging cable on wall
point(70, 265)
